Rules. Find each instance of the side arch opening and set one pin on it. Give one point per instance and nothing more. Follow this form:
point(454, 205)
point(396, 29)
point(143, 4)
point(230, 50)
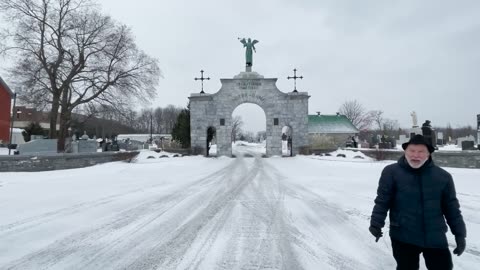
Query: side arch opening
point(211, 142)
point(287, 141)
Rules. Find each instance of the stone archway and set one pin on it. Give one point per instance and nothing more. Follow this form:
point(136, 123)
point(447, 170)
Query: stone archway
point(281, 109)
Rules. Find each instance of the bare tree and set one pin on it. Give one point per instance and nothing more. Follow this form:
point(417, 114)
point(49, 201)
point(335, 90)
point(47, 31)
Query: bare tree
point(449, 132)
point(143, 121)
point(68, 54)
point(391, 127)
point(355, 112)
point(465, 131)
point(237, 124)
point(170, 115)
point(378, 119)
point(163, 119)
point(247, 136)
point(261, 136)
point(159, 120)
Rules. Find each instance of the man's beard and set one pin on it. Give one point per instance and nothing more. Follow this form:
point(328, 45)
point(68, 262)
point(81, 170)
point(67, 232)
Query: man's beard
point(417, 165)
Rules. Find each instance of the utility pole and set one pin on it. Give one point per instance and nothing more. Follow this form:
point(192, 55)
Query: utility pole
point(11, 122)
point(151, 128)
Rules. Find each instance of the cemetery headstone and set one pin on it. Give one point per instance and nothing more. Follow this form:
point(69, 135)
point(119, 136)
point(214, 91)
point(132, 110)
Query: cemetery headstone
point(364, 145)
point(468, 145)
point(87, 146)
point(440, 140)
point(462, 139)
point(38, 147)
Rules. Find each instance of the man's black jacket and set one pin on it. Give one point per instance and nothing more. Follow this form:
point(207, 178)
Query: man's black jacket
point(419, 200)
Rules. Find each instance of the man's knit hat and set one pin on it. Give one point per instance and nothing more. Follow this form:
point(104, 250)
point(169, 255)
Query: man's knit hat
point(419, 139)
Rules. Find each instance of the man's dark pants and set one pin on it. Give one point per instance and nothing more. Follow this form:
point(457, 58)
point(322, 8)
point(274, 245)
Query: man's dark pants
point(408, 257)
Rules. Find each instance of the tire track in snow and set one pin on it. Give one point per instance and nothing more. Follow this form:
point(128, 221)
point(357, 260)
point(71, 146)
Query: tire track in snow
point(330, 219)
point(262, 239)
point(34, 221)
point(171, 253)
point(132, 227)
point(159, 232)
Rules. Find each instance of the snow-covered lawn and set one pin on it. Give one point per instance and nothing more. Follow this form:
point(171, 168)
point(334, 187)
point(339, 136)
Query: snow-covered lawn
point(449, 147)
point(306, 212)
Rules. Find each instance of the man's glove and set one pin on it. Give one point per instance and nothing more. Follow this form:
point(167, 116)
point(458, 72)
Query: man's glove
point(375, 231)
point(461, 244)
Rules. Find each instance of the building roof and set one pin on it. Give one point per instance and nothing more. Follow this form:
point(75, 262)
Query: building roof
point(327, 124)
point(4, 85)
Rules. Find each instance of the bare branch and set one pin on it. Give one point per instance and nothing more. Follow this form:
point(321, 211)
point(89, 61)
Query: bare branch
point(357, 114)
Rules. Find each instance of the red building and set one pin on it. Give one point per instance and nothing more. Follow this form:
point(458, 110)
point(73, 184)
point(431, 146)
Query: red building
point(24, 116)
point(6, 96)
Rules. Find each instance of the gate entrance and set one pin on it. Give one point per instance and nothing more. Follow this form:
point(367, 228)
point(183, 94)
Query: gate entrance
point(281, 109)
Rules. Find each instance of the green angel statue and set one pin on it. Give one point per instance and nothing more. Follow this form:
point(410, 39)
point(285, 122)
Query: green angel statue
point(250, 48)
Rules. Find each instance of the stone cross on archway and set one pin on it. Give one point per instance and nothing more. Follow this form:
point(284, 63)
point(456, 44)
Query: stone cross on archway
point(202, 79)
point(295, 77)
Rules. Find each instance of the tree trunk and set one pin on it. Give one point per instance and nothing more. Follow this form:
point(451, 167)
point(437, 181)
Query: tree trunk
point(52, 133)
point(65, 118)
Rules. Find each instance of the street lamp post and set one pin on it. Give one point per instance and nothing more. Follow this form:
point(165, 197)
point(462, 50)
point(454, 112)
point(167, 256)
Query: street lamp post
point(11, 122)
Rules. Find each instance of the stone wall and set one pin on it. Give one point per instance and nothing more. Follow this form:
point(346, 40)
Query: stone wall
point(455, 159)
point(23, 163)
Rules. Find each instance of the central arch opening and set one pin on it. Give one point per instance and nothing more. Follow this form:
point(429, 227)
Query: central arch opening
point(249, 130)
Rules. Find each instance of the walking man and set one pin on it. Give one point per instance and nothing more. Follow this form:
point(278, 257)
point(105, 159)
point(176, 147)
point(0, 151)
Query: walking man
point(420, 197)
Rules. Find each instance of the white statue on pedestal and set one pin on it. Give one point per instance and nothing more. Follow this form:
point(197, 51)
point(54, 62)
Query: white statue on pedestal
point(414, 119)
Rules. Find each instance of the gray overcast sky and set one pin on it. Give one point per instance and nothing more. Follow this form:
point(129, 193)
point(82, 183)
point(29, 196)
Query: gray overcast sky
point(394, 56)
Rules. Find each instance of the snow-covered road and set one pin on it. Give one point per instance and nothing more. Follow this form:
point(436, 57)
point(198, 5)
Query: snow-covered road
point(200, 213)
